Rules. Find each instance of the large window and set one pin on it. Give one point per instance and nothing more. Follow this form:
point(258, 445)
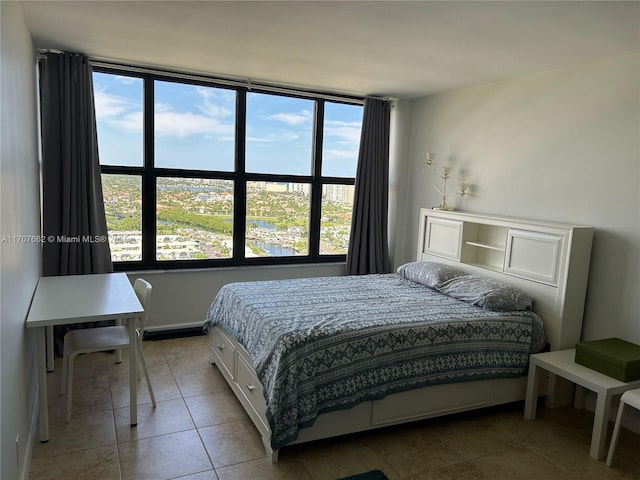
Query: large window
point(199, 174)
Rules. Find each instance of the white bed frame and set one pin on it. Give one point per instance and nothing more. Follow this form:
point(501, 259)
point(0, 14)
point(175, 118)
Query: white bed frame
point(550, 261)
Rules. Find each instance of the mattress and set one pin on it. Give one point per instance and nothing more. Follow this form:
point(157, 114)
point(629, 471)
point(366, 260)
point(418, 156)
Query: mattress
point(322, 344)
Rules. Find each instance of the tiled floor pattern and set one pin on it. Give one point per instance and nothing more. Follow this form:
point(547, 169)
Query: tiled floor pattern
point(199, 432)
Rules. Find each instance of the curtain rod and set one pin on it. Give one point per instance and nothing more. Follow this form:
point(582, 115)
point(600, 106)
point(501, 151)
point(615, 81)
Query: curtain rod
point(41, 53)
point(234, 81)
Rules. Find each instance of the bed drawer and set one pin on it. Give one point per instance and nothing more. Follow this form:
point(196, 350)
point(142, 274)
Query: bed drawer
point(250, 386)
point(430, 402)
point(224, 351)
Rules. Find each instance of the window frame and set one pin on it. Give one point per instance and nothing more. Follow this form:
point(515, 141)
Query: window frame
point(149, 173)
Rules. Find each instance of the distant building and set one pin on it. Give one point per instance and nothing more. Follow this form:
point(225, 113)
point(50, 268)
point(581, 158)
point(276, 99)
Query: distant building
point(304, 188)
point(276, 187)
point(339, 193)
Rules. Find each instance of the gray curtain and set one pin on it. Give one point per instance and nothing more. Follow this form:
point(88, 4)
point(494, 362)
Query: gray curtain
point(73, 217)
point(73, 207)
point(368, 245)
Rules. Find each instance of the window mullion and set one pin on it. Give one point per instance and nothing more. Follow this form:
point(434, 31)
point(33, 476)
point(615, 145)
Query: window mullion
point(316, 183)
point(149, 178)
point(240, 186)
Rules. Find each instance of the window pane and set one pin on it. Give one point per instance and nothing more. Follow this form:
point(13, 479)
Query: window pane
point(279, 134)
point(277, 219)
point(194, 127)
point(123, 208)
point(194, 219)
point(118, 101)
point(342, 125)
point(335, 223)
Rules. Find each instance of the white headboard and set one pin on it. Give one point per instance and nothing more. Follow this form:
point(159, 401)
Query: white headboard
point(549, 261)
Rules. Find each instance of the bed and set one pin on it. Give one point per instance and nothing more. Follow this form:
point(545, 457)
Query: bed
point(313, 358)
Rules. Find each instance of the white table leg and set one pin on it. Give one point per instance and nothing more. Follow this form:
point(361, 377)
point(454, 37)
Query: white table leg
point(531, 398)
point(43, 408)
point(50, 348)
point(133, 372)
point(600, 424)
point(118, 350)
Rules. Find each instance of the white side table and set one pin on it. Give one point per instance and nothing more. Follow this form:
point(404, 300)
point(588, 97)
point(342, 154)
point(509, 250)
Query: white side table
point(562, 363)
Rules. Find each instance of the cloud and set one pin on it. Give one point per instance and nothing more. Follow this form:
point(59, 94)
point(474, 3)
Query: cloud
point(182, 125)
point(340, 154)
point(296, 118)
point(125, 114)
point(131, 122)
point(110, 107)
point(160, 107)
point(283, 136)
point(259, 139)
point(276, 134)
point(213, 103)
point(127, 80)
point(347, 132)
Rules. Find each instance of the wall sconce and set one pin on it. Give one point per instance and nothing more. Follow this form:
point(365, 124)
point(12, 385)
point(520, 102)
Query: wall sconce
point(431, 168)
point(464, 189)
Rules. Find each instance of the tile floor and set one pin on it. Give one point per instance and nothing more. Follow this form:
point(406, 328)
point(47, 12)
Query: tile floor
point(199, 432)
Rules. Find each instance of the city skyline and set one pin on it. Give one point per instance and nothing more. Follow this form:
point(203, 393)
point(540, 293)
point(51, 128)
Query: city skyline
point(195, 218)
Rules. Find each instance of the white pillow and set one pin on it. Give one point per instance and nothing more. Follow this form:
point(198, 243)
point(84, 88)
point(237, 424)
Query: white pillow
point(486, 293)
point(429, 274)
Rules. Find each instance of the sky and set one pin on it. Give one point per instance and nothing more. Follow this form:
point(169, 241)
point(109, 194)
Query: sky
point(195, 125)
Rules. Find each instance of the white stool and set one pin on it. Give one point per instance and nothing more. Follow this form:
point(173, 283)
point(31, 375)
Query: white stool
point(631, 398)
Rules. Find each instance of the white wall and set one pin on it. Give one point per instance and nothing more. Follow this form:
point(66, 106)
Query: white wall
point(561, 146)
point(20, 263)
point(399, 164)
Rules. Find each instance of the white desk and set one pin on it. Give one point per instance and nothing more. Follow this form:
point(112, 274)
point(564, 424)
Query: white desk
point(562, 363)
point(77, 299)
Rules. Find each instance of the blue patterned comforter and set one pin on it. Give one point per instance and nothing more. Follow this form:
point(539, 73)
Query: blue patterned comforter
point(322, 344)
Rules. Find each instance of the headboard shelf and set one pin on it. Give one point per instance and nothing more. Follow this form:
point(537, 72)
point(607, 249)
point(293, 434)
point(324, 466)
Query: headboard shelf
point(548, 260)
point(487, 245)
point(485, 266)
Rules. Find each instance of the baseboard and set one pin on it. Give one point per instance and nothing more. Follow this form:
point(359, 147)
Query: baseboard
point(28, 451)
point(173, 333)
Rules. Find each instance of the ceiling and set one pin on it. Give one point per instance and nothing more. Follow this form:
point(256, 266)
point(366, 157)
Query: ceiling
point(387, 48)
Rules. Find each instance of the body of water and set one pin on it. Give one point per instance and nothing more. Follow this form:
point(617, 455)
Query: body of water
point(259, 223)
point(275, 250)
